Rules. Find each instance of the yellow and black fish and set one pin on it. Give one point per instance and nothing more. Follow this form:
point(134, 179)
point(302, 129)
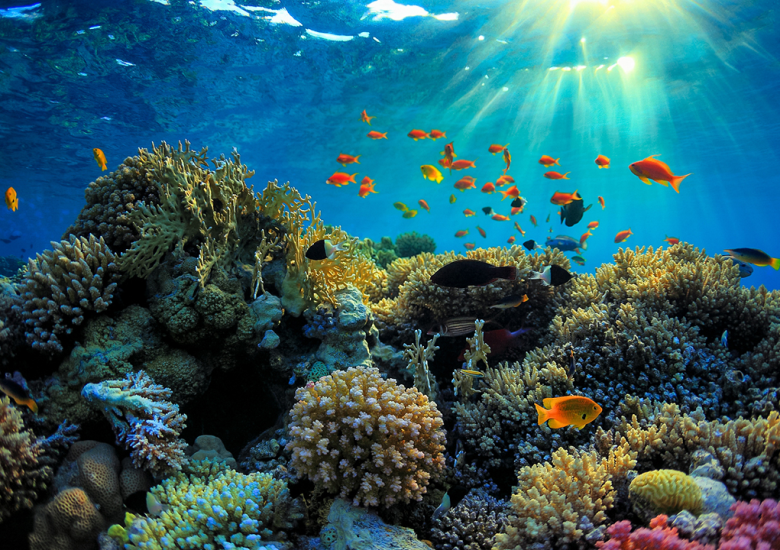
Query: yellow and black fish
point(18, 394)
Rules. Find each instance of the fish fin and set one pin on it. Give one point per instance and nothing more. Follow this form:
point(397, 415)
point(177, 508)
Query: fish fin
point(663, 182)
point(588, 208)
point(644, 179)
point(675, 181)
point(564, 176)
point(554, 424)
point(549, 402)
point(775, 263)
point(653, 156)
point(32, 404)
point(542, 414)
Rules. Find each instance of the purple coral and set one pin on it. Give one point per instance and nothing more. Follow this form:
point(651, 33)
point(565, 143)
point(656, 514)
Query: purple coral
point(143, 420)
point(754, 526)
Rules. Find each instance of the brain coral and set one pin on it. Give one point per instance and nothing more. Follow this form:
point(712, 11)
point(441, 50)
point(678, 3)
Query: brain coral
point(365, 438)
point(664, 492)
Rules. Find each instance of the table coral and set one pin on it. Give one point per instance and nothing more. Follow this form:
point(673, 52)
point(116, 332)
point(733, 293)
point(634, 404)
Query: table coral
point(365, 438)
point(143, 420)
point(754, 526)
point(62, 285)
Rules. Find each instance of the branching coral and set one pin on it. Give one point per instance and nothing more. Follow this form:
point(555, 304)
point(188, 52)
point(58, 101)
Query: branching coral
point(472, 524)
point(365, 438)
point(143, 420)
point(63, 284)
point(418, 357)
point(658, 537)
point(754, 526)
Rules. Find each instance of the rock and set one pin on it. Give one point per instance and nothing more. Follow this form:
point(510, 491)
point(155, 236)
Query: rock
point(715, 497)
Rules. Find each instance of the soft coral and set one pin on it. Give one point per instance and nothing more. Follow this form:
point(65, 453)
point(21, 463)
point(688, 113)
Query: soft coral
point(659, 537)
point(754, 526)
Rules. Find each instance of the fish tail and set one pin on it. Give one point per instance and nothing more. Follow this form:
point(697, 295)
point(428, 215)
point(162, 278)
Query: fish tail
point(558, 163)
point(32, 404)
point(542, 414)
point(564, 176)
point(357, 157)
point(775, 263)
point(675, 181)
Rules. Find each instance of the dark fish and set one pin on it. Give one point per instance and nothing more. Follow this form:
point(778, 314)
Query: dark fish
point(572, 213)
point(6, 241)
point(16, 392)
point(15, 234)
point(519, 202)
point(323, 249)
point(531, 244)
point(553, 275)
point(137, 502)
point(488, 211)
point(465, 273)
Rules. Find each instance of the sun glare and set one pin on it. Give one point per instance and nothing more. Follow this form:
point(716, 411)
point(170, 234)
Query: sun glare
point(626, 63)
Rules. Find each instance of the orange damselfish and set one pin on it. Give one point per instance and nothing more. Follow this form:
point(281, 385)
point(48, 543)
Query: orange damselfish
point(465, 183)
point(11, 201)
point(376, 135)
point(513, 192)
point(548, 161)
point(100, 158)
point(417, 134)
point(347, 159)
point(571, 410)
point(436, 134)
point(653, 169)
point(489, 188)
point(556, 175)
point(366, 187)
point(461, 164)
point(560, 199)
point(340, 178)
point(365, 118)
point(602, 161)
point(623, 235)
point(497, 148)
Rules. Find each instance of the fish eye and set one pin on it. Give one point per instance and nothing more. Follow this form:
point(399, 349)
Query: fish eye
point(583, 416)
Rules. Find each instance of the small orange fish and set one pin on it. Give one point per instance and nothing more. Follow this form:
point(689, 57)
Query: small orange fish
point(436, 134)
point(11, 201)
point(468, 213)
point(100, 158)
point(571, 410)
point(623, 235)
point(449, 151)
point(500, 218)
point(533, 220)
point(465, 183)
point(469, 246)
point(497, 148)
point(504, 180)
point(461, 164)
point(340, 178)
point(672, 240)
point(424, 204)
point(446, 163)
point(520, 229)
point(347, 159)
point(376, 135)
point(516, 210)
point(556, 175)
point(593, 225)
point(489, 188)
point(365, 118)
point(653, 169)
point(547, 161)
point(417, 134)
point(482, 232)
point(507, 159)
point(560, 199)
point(601, 202)
point(602, 161)
point(513, 192)
point(462, 233)
point(511, 239)
point(366, 187)
point(452, 199)
point(583, 238)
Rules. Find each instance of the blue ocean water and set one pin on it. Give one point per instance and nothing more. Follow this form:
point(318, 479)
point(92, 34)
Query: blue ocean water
point(284, 83)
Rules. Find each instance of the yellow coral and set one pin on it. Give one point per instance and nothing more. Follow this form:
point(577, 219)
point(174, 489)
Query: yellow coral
point(665, 492)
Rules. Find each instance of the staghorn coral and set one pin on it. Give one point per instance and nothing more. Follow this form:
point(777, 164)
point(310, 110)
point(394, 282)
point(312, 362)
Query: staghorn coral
point(472, 524)
point(143, 420)
point(365, 438)
point(552, 499)
point(63, 284)
point(754, 526)
point(664, 492)
point(658, 537)
point(417, 357)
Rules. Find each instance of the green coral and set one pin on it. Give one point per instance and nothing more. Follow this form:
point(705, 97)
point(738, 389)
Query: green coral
point(411, 244)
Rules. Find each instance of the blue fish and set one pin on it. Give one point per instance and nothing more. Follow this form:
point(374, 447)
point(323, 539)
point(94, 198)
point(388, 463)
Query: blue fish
point(564, 243)
point(745, 269)
point(724, 339)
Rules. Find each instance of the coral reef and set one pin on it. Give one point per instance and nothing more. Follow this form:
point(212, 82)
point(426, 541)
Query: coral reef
point(211, 447)
point(143, 420)
point(417, 357)
point(658, 537)
point(366, 439)
point(754, 526)
point(63, 284)
point(472, 524)
point(664, 492)
point(411, 244)
point(704, 529)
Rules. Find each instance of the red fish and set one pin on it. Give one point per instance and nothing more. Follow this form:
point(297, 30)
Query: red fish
point(461, 164)
point(533, 220)
point(556, 175)
point(376, 135)
point(623, 235)
point(488, 188)
point(482, 232)
point(465, 183)
point(497, 148)
point(653, 169)
point(516, 210)
point(347, 159)
point(505, 179)
point(583, 238)
point(340, 178)
point(417, 134)
point(560, 199)
point(436, 134)
point(365, 118)
point(446, 163)
point(366, 187)
point(507, 159)
point(500, 218)
point(462, 233)
point(469, 246)
point(593, 225)
point(548, 161)
point(520, 229)
point(602, 161)
point(469, 213)
point(601, 202)
point(511, 239)
point(672, 240)
point(513, 192)
point(424, 204)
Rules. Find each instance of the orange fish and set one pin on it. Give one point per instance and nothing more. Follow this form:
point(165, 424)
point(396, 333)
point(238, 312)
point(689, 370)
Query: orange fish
point(469, 246)
point(533, 220)
point(593, 225)
point(507, 159)
point(511, 239)
point(584, 238)
point(488, 188)
point(513, 192)
point(564, 198)
point(503, 180)
point(516, 210)
point(376, 135)
point(482, 232)
point(653, 169)
point(520, 229)
point(446, 163)
point(436, 134)
point(602, 161)
point(500, 218)
point(497, 148)
point(462, 233)
point(549, 161)
point(100, 158)
point(449, 151)
point(556, 175)
point(11, 201)
point(468, 213)
point(672, 240)
point(461, 164)
point(340, 178)
point(347, 159)
point(465, 183)
point(571, 410)
point(365, 118)
point(601, 202)
point(623, 235)
point(424, 204)
point(366, 187)
point(417, 134)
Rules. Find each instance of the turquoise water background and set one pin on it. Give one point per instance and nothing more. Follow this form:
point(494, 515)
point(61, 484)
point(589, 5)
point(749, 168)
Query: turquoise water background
point(284, 83)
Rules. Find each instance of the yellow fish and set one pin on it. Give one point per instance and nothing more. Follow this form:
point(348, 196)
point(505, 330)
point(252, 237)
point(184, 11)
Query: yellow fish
point(401, 206)
point(18, 394)
point(431, 173)
point(100, 158)
point(410, 214)
point(571, 410)
point(11, 201)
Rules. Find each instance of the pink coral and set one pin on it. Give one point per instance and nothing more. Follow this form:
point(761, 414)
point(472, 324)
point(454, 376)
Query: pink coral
point(754, 526)
point(659, 537)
